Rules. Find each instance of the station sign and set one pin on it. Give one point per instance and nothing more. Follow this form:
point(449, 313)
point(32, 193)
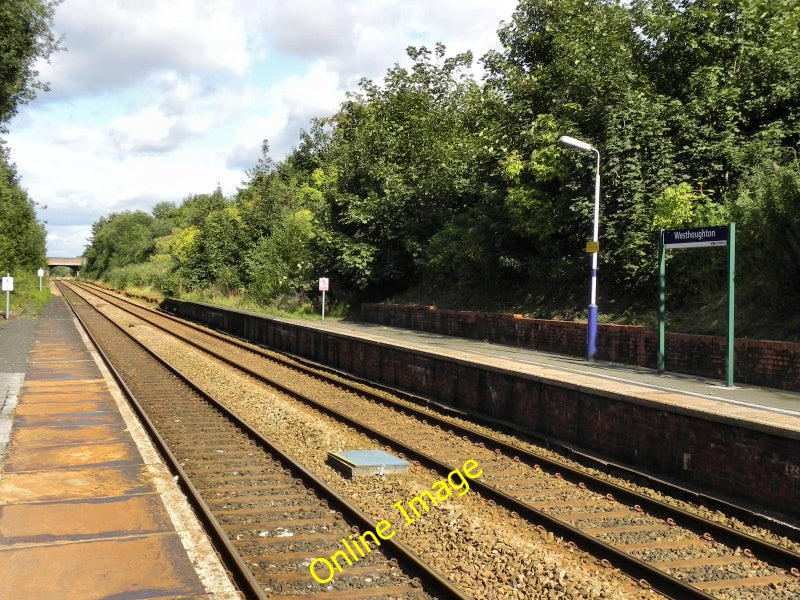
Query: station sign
point(693, 238)
point(696, 237)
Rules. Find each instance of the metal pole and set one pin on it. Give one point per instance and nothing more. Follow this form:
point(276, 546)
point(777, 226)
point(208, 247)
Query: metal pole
point(323, 305)
point(662, 303)
point(591, 341)
point(731, 278)
point(591, 330)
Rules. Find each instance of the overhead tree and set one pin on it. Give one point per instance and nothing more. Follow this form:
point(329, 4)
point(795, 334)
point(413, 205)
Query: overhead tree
point(680, 97)
point(22, 237)
point(402, 159)
point(25, 37)
point(429, 177)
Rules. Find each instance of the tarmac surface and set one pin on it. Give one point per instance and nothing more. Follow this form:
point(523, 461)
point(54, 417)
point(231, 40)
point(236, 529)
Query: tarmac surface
point(16, 337)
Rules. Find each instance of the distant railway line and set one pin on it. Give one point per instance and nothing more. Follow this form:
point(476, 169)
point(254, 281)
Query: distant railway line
point(665, 549)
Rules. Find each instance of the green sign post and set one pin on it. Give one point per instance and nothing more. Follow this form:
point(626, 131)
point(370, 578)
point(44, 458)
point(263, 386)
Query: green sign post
point(696, 238)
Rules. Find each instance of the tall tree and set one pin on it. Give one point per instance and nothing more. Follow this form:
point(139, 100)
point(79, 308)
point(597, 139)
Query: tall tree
point(734, 68)
point(121, 239)
point(22, 237)
point(25, 37)
point(403, 161)
point(572, 67)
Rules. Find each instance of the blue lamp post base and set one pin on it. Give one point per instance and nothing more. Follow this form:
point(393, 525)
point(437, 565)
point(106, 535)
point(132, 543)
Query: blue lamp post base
point(591, 339)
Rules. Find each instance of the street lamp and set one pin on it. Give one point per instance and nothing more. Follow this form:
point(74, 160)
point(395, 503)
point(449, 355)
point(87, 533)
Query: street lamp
point(591, 338)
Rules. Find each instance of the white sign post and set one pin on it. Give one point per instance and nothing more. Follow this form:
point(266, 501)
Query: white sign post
point(323, 287)
point(41, 274)
point(8, 287)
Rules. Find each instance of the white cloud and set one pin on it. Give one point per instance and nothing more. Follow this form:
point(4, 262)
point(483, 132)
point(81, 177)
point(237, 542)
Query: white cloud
point(182, 109)
point(115, 43)
point(157, 100)
point(311, 28)
point(63, 240)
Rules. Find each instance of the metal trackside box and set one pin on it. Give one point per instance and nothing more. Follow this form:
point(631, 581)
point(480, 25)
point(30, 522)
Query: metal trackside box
point(358, 463)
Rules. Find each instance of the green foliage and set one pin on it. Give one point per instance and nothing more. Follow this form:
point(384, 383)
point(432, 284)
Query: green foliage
point(282, 263)
point(675, 206)
point(344, 259)
point(768, 252)
point(266, 201)
point(222, 243)
point(25, 37)
point(185, 248)
point(472, 251)
point(672, 95)
point(22, 237)
point(428, 178)
point(194, 209)
point(121, 239)
point(404, 154)
point(62, 272)
point(533, 197)
point(140, 275)
point(26, 300)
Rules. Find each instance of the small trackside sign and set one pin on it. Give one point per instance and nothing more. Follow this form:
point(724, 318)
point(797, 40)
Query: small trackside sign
point(696, 237)
point(324, 282)
point(8, 284)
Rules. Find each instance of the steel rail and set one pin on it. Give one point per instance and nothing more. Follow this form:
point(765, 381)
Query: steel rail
point(436, 583)
point(236, 567)
point(634, 567)
point(762, 549)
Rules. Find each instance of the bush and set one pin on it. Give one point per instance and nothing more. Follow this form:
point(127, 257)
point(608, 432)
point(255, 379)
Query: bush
point(26, 300)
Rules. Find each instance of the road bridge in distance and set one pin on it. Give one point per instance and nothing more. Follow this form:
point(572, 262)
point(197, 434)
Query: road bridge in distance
point(58, 261)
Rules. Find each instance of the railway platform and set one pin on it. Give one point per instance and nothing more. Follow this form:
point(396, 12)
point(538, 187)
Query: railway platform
point(747, 403)
point(87, 509)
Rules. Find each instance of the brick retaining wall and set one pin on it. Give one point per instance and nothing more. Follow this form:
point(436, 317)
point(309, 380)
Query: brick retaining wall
point(756, 362)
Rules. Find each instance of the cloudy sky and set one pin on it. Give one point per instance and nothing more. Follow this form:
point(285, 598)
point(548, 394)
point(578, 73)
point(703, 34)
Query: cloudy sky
point(157, 100)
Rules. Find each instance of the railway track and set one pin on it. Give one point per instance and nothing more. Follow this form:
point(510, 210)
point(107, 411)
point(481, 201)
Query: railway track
point(269, 516)
point(677, 553)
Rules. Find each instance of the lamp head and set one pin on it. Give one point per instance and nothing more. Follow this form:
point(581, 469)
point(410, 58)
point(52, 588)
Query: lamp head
point(573, 143)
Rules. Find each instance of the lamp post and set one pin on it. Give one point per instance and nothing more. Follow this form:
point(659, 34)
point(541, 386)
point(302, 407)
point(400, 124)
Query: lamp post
point(591, 338)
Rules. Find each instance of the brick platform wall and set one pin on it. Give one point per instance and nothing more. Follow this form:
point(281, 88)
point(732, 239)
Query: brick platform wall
point(756, 362)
